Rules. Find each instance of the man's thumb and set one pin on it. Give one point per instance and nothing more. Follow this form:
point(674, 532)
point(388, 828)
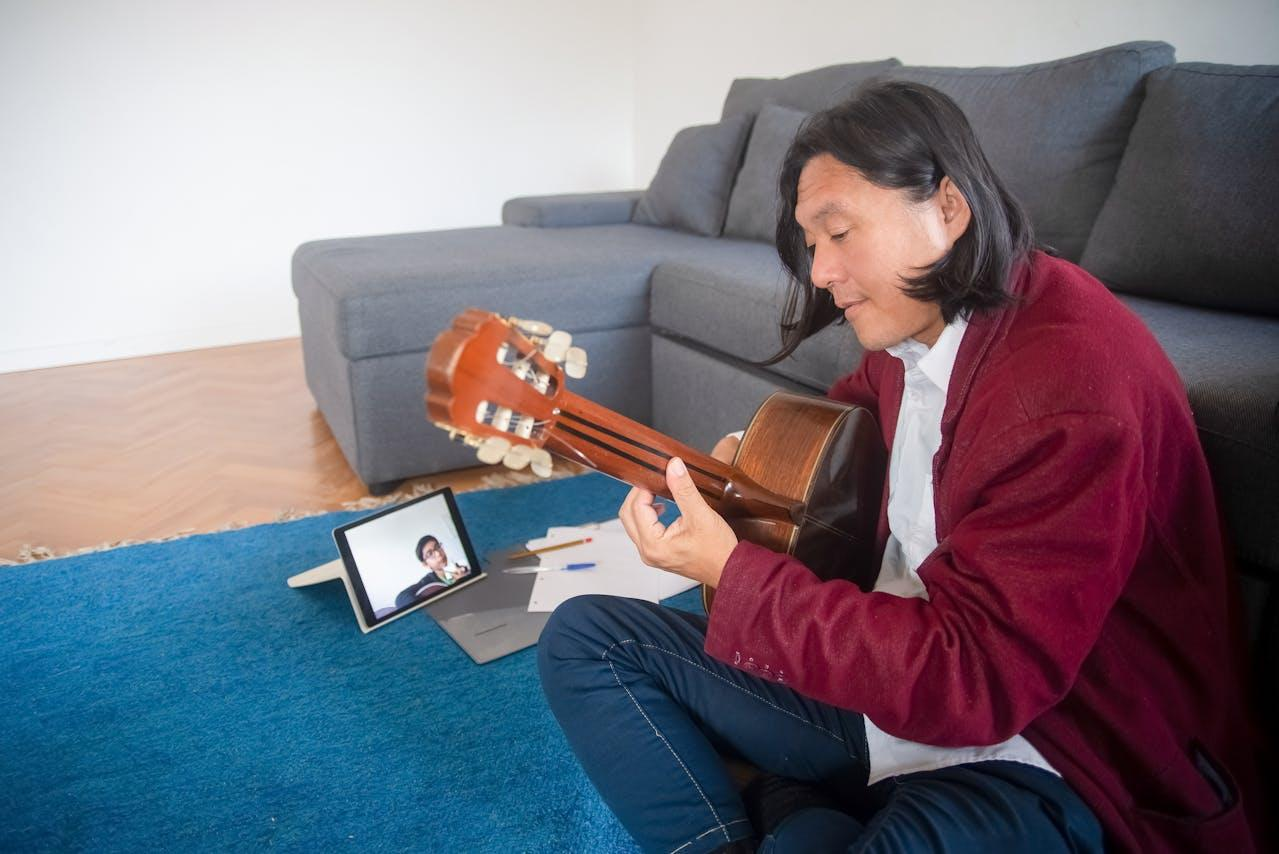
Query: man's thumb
point(682, 486)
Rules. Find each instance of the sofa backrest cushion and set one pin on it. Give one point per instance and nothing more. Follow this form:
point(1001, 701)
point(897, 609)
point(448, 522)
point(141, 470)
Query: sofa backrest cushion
point(752, 209)
point(1193, 215)
point(808, 91)
point(691, 188)
point(1054, 131)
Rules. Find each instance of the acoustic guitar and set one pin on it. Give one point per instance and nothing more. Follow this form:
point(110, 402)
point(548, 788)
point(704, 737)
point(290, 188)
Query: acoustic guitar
point(807, 479)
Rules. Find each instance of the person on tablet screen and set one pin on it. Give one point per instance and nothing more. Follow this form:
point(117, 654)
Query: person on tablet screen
point(439, 572)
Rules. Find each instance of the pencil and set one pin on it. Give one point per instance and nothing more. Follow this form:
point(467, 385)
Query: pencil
point(531, 552)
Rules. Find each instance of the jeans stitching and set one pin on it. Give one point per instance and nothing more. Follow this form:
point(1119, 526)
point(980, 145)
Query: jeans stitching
point(658, 733)
point(710, 831)
point(732, 684)
point(713, 829)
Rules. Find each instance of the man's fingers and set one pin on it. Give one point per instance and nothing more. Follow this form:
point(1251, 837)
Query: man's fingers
point(624, 513)
point(639, 517)
point(645, 515)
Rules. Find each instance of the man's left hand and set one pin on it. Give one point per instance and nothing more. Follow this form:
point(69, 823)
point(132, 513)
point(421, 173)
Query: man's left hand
point(696, 545)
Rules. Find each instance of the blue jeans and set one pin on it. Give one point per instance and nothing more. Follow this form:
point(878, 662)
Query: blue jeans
point(648, 714)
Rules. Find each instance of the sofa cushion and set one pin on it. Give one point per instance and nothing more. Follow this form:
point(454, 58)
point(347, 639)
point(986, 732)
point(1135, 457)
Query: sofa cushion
point(732, 305)
point(700, 395)
point(571, 210)
point(752, 209)
point(1054, 131)
point(1192, 216)
point(690, 190)
point(393, 293)
point(808, 91)
point(1230, 365)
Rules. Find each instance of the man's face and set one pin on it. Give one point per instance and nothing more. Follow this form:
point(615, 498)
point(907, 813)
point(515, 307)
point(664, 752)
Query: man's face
point(433, 556)
point(864, 239)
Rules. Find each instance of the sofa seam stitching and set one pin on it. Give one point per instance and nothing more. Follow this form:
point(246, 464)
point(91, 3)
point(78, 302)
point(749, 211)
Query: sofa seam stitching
point(1140, 53)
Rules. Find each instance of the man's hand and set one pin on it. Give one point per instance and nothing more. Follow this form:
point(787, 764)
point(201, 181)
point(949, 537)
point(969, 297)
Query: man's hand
point(696, 545)
point(725, 449)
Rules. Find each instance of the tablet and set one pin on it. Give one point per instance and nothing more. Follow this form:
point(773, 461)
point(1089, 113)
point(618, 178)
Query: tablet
point(405, 556)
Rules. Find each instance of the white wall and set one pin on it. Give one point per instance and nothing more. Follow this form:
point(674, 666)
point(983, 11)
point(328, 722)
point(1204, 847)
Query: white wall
point(689, 52)
point(159, 161)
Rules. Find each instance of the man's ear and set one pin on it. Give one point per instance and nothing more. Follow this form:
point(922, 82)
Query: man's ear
point(956, 214)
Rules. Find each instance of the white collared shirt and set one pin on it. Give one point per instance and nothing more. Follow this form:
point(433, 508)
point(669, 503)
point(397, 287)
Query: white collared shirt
point(913, 526)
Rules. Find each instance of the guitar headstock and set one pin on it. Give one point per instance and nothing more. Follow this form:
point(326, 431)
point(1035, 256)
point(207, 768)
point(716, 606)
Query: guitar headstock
point(493, 382)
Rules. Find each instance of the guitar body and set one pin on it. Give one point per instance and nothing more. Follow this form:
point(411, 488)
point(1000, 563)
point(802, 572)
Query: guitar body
point(807, 480)
point(829, 457)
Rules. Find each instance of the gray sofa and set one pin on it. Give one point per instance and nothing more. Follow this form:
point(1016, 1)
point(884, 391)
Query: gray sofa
point(1159, 178)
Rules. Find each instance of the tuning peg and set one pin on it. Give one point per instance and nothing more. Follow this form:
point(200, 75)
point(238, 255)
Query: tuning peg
point(502, 418)
point(532, 327)
point(493, 449)
point(575, 362)
point(540, 462)
point(517, 457)
point(557, 344)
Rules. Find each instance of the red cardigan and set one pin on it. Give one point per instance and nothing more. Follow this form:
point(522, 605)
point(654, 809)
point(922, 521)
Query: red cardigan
point(1079, 593)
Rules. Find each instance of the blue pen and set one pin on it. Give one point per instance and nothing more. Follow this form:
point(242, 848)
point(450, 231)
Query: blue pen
point(526, 570)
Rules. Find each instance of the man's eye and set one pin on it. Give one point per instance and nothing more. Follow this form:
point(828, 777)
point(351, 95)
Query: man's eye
point(839, 236)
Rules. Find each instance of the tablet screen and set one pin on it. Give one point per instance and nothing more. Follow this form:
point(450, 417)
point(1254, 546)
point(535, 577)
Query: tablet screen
point(400, 558)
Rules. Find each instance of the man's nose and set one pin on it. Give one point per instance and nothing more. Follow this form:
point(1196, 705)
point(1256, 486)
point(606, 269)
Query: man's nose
point(824, 270)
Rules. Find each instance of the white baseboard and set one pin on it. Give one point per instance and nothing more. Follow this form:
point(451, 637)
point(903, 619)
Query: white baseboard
point(109, 349)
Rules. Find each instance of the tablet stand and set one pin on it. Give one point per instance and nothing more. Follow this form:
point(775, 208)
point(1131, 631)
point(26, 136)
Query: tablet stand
point(332, 571)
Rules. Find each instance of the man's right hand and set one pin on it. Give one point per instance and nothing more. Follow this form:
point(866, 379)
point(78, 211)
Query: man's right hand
point(725, 449)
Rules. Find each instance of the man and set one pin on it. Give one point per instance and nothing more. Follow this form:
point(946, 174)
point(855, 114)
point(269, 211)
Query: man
point(1046, 661)
point(439, 574)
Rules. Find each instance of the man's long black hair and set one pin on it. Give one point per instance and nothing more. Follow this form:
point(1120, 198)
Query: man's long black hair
point(904, 136)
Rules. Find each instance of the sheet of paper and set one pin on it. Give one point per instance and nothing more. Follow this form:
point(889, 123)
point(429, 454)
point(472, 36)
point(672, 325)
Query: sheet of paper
point(618, 571)
point(667, 583)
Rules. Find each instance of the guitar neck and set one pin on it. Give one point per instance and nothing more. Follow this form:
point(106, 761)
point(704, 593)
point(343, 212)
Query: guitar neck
point(609, 442)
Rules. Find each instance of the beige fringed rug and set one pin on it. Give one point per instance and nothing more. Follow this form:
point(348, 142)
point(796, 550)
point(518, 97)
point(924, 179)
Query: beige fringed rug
point(496, 480)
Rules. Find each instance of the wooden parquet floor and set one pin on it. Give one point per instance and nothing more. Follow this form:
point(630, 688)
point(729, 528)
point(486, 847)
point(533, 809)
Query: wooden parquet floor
point(162, 445)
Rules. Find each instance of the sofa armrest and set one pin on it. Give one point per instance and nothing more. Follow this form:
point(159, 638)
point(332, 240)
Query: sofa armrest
point(571, 209)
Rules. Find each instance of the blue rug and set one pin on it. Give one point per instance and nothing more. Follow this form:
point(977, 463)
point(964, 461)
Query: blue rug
point(178, 696)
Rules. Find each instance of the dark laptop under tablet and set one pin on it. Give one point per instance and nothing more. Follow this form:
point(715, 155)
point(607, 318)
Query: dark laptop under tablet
point(491, 620)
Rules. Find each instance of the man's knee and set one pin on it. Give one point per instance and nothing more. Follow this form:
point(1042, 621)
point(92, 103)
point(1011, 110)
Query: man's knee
point(581, 627)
